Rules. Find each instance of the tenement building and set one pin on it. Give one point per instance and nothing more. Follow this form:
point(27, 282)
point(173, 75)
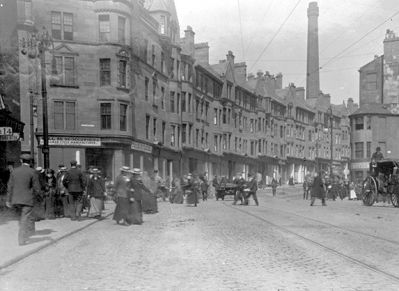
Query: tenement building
point(124, 88)
point(375, 123)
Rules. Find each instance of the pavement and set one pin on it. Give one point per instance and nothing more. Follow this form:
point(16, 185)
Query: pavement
point(284, 244)
point(47, 233)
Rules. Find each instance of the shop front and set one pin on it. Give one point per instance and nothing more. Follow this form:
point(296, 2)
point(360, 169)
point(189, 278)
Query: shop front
point(11, 132)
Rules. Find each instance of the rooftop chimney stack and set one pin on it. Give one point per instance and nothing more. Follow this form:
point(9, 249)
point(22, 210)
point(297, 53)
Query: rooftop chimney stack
point(312, 70)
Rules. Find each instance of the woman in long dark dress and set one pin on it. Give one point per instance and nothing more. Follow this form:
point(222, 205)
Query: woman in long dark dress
point(96, 194)
point(128, 207)
point(50, 190)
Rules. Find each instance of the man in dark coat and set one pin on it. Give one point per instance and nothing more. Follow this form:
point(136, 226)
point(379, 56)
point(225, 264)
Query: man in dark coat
point(23, 185)
point(274, 186)
point(239, 181)
point(75, 183)
point(318, 189)
point(251, 187)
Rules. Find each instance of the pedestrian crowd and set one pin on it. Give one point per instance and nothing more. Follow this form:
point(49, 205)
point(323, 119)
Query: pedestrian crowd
point(38, 194)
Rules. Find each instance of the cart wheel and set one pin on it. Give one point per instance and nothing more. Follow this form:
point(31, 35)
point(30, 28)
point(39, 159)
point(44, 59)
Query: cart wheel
point(369, 191)
point(395, 199)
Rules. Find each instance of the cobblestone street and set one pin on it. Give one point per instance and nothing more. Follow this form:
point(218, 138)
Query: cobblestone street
point(284, 244)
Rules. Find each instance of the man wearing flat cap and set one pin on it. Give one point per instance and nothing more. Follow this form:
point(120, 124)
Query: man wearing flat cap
point(23, 186)
point(75, 183)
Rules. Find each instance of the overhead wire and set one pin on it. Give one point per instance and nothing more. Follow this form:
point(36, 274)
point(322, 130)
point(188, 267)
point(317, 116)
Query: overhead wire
point(263, 16)
point(276, 33)
point(353, 44)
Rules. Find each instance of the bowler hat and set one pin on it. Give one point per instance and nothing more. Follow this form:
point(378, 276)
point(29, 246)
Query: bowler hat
point(26, 157)
point(74, 163)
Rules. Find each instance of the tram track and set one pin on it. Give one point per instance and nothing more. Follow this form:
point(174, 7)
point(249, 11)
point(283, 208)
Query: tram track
point(349, 258)
point(335, 226)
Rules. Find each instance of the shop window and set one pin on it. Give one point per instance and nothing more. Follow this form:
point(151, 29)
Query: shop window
point(105, 111)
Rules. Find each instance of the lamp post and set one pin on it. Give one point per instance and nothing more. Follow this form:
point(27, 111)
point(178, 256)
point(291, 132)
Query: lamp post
point(330, 115)
point(317, 146)
point(36, 45)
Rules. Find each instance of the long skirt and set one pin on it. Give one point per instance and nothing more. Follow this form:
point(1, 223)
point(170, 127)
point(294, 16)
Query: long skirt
point(149, 202)
point(38, 212)
point(49, 203)
point(176, 197)
point(131, 212)
point(192, 197)
point(96, 206)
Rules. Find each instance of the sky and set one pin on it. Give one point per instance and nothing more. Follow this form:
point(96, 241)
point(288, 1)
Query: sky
point(351, 33)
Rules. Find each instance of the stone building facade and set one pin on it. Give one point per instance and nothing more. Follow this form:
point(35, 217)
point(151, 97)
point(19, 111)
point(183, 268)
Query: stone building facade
point(125, 89)
point(375, 123)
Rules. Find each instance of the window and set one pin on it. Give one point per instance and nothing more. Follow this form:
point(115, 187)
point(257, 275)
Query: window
point(224, 118)
point(154, 127)
point(189, 103)
point(178, 69)
point(178, 103)
point(184, 133)
point(162, 98)
point(104, 27)
point(215, 142)
point(368, 122)
point(162, 62)
point(105, 72)
point(68, 26)
point(368, 150)
point(215, 117)
point(64, 115)
point(123, 117)
point(62, 25)
point(172, 102)
point(183, 102)
point(145, 50)
point(163, 132)
point(197, 137)
point(359, 153)
point(162, 24)
point(147, 126)
point(146, 84)
point(359, 123)
point(153, 56)
point(105, 111)
point(121, 29)
point(122, 74)
point(173, 135)
point(154, 90)
point(65, 67)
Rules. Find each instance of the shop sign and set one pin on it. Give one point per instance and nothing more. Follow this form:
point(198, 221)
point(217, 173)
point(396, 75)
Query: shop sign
point(141, 147)
point(13, 137)
point(72, 141)
point(360, 166)
point(5, 130)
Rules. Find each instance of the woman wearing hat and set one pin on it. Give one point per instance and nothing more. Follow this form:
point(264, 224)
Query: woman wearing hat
point(128, 208)
point(96, 194)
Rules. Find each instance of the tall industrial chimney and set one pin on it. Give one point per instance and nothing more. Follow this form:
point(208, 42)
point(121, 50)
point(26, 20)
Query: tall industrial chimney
point(312, 69)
